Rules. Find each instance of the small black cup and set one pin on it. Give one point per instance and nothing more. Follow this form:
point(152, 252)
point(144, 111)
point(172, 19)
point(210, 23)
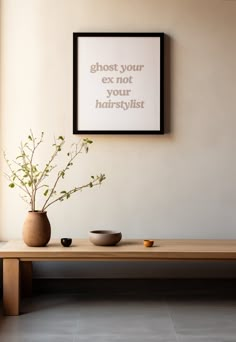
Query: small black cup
point(66, 242)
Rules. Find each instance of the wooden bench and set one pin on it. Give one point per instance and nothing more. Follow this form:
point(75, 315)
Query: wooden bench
point(17, 258)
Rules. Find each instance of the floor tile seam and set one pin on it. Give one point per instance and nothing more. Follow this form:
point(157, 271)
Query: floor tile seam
point(212, 336)
point(200, 337)
point(171, 320)
point(119, 335)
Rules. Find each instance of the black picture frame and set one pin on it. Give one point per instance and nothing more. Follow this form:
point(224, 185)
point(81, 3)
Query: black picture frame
point(78, 83)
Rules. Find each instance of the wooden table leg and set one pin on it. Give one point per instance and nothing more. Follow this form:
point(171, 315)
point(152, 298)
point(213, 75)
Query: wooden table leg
point(11, 287)
point(26, 278)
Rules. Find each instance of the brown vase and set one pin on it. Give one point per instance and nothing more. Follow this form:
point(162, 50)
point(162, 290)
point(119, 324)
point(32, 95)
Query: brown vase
point(36, 229)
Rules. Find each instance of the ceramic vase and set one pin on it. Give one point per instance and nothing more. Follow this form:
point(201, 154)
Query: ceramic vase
point(36, 229)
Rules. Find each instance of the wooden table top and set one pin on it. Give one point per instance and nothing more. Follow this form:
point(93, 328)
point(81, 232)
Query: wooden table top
point(82, 249)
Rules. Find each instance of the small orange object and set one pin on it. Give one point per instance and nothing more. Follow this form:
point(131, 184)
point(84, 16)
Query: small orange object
point(148, 243)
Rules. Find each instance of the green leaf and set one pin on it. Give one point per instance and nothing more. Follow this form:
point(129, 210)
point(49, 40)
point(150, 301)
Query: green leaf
point(29, 137)
point(46, 192)
point(12, 185)
point(88, 141)
point(61, 138)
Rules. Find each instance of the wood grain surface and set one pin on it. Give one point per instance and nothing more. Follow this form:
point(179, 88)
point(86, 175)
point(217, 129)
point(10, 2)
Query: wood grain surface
point(82, 249)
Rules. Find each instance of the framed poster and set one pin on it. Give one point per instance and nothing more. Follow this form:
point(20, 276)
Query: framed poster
point(118, 83)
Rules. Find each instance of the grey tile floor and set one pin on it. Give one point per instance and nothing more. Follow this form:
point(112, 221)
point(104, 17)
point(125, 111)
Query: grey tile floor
point(122, 317)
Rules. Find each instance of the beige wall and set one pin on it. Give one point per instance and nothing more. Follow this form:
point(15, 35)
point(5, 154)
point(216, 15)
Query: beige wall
point(182, 184)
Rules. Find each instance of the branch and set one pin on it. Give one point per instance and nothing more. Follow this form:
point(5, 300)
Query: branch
point(95, 182)
point(16, 184)
point(61, 173)
point(14, 174)
point(35, 146)
point(46, 169)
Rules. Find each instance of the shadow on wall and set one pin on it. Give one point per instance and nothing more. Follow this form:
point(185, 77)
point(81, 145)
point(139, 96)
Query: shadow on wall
point(1, 156)
point(167, 83)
